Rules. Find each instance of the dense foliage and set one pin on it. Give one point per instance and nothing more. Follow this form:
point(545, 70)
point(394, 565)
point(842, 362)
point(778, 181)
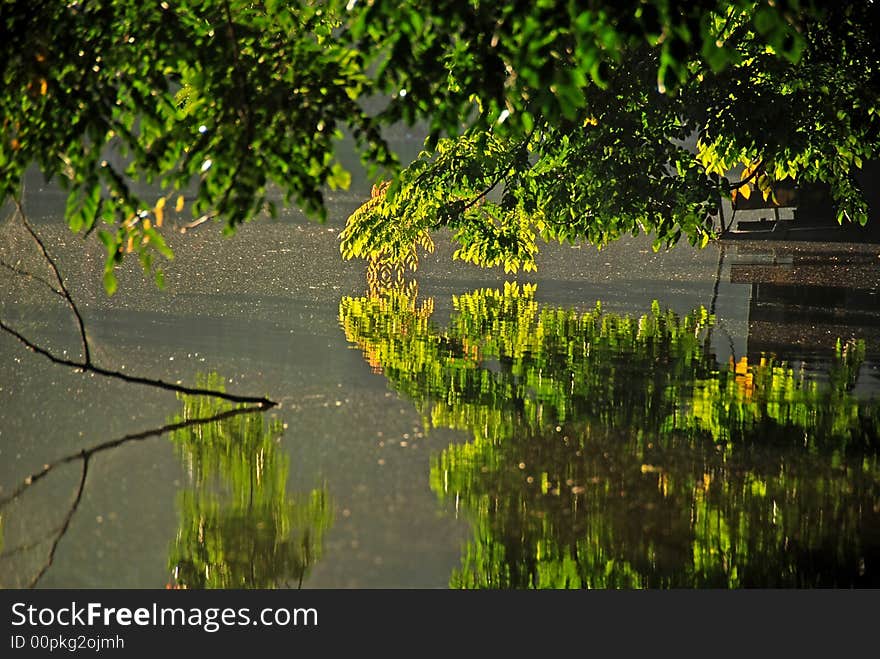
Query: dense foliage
point(548, 120)
point(207, 101)
point(625, 119)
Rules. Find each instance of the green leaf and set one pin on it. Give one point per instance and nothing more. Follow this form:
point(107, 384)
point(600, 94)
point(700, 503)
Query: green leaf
point(110, 282)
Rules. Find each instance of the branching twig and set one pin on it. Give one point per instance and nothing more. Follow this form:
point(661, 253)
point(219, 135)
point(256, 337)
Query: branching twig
point(25, 273)
point(747, 179)
point(503, 171)
point(86, 364)
point(87, 358)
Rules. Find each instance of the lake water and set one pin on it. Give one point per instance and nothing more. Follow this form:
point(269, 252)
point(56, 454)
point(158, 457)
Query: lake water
point(714, 423)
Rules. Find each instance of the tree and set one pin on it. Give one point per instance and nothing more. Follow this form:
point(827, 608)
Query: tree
point(584, 119)
point(547, 119)
point(212, 101)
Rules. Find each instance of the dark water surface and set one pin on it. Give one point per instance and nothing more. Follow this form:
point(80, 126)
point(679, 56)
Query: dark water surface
point(715, 423)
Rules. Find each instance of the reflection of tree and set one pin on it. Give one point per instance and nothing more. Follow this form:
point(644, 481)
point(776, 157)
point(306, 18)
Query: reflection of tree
point(238, 527)
point(614, 451)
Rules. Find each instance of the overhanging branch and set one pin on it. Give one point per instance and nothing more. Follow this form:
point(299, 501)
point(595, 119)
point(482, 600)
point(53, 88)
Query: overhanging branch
point(264, 403)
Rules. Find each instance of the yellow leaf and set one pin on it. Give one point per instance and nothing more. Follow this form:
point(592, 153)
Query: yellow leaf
point(179, 206)
point(44, 86)
point(159, 211)
point(745, 191)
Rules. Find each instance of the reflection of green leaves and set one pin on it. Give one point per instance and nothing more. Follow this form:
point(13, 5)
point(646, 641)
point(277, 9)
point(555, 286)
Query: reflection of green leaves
point(610, 451)
point(238, 526)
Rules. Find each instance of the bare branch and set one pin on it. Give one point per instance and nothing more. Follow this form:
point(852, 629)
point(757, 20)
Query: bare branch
point(264, 403)
point(25, 273)
point(86, 364)
point(87, 358)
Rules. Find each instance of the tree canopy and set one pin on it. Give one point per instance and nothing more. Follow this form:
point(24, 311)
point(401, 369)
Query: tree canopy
point(548, 120)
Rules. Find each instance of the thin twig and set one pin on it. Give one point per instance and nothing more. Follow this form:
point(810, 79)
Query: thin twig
point(64, 525)
point(25, 273)
point(264, 403)
point(503, 172)
point(86, 364)
point(747, 179)
point(87, 358)
point(204, 218)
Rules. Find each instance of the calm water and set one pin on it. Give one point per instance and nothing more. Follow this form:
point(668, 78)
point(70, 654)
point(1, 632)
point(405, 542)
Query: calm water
point(714, 422)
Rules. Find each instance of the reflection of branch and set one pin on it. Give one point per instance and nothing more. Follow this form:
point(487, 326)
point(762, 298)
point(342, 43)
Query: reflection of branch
point(87, 358)
point(64, 525)
point(27, 546)
point(87, 453)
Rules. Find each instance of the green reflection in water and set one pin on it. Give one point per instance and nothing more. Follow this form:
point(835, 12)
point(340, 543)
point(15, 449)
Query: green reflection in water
point(611, 451)
point(239, 528)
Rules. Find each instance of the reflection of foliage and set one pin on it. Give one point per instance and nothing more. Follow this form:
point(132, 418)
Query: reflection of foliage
point(238, 528)
point(615, 452)
point(504, 359)
point(749, 398)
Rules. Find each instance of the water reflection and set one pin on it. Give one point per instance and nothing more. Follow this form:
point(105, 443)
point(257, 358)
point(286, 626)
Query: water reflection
point(239, 528)
point(613, 451)
point(238, 525)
